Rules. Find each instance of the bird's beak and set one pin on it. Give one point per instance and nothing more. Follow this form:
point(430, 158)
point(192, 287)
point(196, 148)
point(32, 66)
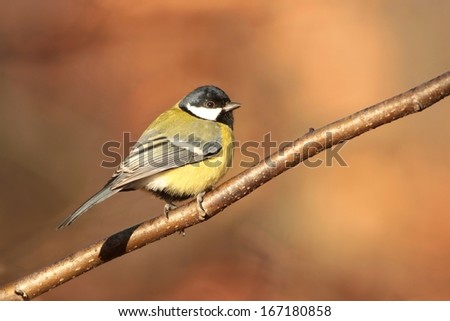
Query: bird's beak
point(231, 106)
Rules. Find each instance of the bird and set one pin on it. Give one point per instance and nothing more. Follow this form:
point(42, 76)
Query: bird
point(182, 154)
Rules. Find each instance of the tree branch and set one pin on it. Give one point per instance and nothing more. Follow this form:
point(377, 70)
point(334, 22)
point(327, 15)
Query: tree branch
point(410, 102)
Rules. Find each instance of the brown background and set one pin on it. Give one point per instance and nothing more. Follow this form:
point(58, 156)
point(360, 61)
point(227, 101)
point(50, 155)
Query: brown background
point(75, 74)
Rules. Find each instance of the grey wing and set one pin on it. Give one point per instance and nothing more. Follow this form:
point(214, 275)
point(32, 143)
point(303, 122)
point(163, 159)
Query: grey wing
point(152, 155)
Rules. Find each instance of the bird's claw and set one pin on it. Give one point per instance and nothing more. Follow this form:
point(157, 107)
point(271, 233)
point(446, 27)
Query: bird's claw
point(202, 213)
point(169, 207)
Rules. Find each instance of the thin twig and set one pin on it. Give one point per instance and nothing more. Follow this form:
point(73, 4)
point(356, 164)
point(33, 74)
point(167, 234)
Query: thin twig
point(412, 101)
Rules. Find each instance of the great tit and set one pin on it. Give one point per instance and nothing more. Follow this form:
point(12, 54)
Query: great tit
point(182, 154)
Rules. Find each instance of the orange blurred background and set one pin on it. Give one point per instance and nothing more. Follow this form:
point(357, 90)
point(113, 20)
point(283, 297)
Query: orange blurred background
point(75, 74)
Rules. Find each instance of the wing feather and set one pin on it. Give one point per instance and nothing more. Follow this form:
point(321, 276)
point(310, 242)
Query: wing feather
point(154, 153)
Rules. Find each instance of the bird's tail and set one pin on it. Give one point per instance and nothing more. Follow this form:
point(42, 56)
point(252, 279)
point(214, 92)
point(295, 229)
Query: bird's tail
point(102, 195)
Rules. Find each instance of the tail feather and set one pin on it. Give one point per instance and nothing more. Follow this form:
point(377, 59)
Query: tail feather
point(102, 195)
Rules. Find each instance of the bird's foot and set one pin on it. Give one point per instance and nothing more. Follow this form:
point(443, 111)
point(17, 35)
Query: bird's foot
point(202, 213)
point(169, 207)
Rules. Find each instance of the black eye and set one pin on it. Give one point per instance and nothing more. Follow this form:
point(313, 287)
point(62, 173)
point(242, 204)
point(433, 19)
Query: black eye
point(210, 104)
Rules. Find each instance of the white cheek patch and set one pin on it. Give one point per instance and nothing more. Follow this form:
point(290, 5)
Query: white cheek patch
point(205, 113)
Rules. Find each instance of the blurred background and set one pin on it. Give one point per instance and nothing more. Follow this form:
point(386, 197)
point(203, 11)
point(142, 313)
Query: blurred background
point(76, 74)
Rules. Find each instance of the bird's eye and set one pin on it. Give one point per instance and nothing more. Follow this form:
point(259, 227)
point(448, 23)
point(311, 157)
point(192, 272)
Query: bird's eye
point(210, 104)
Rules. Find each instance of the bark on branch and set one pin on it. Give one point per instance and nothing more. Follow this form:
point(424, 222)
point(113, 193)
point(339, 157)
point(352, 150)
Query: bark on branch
point(130, 239)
